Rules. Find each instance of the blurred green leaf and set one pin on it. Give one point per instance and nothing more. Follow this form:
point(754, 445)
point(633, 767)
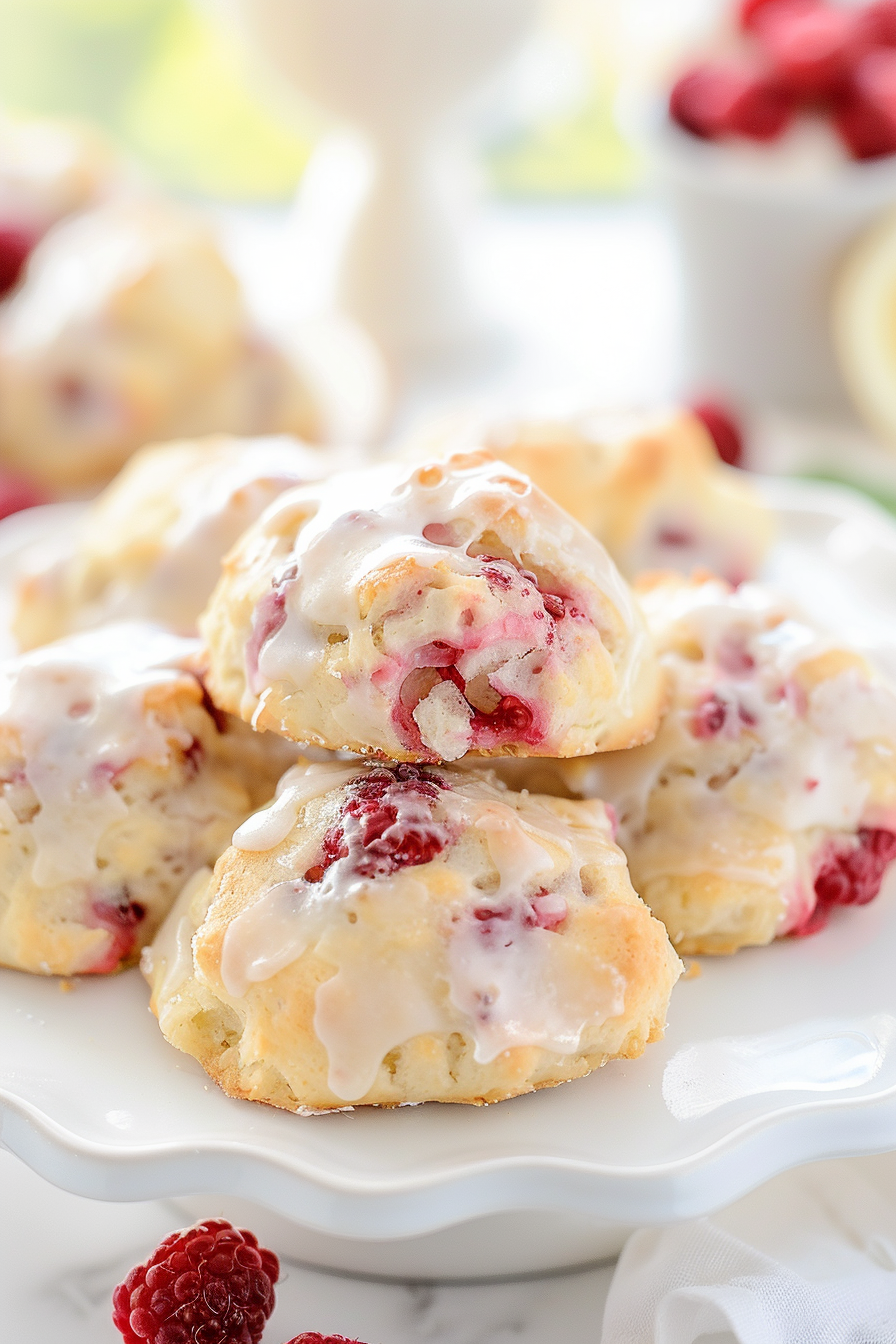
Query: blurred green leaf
point(886, 498)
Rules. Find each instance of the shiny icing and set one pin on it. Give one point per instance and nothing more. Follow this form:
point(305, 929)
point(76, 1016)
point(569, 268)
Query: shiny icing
point(500, 638)
point(77, 713)
point(497, 971)
point(215, 504)
point(171, 951)
point(748, 733)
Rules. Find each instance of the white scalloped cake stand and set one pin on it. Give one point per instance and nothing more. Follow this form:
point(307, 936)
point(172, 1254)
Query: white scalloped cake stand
point(775, 1057)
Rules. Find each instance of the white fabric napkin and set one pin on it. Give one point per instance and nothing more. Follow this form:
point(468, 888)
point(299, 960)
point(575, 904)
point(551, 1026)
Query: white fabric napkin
point(810, 1258)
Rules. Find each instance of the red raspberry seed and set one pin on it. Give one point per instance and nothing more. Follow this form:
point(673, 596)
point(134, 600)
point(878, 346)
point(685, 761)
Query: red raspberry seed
point(208, 1285)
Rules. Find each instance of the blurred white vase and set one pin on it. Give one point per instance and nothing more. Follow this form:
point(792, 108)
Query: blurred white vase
point(761, 234)
point(396, 70)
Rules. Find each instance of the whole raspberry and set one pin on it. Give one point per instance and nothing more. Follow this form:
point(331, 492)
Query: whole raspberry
point(812, 51)
point(15, 246)
point(866, 116)
point(210, 1284)
point(312, 1337)
point(752, 13)
point(719, 98)
point(723, 429)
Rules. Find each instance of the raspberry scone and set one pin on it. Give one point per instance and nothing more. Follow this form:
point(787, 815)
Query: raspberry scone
point(129, 327)
point(150, 547)
point(651, 487)
point(117, 781)
point(769, 793)
point(391, 934)
point(422, 613)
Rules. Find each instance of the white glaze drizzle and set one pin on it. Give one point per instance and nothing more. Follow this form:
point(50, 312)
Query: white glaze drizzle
point(266, 829)
point(502, 983)
point(344, 542)
point(215, 506)
point(78, 711)
point(798, 767)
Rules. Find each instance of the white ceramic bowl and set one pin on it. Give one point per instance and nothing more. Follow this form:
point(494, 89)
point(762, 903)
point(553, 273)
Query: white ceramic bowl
point(778, 1056)
point(761, 235)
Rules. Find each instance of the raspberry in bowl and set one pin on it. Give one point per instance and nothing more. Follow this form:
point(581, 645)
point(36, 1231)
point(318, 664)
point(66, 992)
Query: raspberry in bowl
point(777, 150)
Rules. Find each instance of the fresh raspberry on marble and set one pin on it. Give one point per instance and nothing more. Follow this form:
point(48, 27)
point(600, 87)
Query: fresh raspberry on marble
point(312, 1337)
point(210, 1284)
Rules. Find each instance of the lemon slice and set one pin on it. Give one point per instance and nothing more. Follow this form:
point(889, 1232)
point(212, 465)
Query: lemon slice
point(864, 325)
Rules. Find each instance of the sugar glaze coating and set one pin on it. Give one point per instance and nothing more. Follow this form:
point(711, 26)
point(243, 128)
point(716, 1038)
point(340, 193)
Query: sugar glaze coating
point(150, 547)
point(385, 934)
point(423, 613)
point(649, 485)
point(117, 781)
point(769, 793)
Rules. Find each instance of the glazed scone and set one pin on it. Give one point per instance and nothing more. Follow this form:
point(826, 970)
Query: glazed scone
point(150, 547)
point(651, 487)
point(130, 327)
point(769, 793)
point(421, 613)
point(384, 935)
point(118, 780)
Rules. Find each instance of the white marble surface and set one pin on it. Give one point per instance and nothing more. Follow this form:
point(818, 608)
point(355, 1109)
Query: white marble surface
point(61, 1256)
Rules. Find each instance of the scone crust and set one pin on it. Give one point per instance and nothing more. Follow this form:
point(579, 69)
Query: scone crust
point(262, 1044)
point(151, 544)
point(130, 327)
point(771, 776)
point(603, 693)
point(171, 794)
point(649, 485)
